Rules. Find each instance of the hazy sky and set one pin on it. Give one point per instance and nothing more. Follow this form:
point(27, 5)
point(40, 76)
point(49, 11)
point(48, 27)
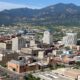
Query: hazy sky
point(10, 4)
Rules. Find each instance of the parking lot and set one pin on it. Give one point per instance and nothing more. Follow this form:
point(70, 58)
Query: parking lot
point(49, 75)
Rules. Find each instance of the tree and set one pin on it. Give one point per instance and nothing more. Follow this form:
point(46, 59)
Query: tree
point(30, 77)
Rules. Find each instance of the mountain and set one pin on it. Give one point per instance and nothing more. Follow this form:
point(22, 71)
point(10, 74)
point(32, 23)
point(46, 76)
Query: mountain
point(59, 14)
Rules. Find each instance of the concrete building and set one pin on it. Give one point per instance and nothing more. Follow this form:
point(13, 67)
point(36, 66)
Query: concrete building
point(47, 38)
point(20, 67)
point(17, 66)
point(32, 43)
point(26, 51)
point(3, 45)
point(18, 43)
point(75, 47)
point(6, 45)
point(70, 39)
point(29, 36)
point(40, 54)
point(7, 56)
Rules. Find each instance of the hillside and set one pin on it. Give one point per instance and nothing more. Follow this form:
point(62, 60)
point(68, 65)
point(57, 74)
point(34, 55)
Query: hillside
point(59, 14)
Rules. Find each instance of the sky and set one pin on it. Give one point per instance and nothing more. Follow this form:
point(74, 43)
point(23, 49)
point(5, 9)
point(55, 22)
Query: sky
point(11, 4)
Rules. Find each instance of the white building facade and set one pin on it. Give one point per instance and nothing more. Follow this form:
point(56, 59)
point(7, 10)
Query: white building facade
point(18, 43)
point(70, 39)
point(47, 38)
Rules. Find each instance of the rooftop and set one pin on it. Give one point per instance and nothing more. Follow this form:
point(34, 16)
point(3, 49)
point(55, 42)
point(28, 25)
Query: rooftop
point(17, 62)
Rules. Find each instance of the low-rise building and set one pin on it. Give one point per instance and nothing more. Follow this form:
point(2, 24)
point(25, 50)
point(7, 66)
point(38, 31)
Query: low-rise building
point(17, 66)
point(7, 56)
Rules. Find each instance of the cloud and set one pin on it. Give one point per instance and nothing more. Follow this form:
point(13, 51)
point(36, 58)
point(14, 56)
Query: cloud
point(6, 5)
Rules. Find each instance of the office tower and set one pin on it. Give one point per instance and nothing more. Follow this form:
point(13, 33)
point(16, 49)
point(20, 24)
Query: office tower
point(47, 38)
point(70, 39)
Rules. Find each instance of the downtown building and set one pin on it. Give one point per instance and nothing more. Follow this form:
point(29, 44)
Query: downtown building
point(47, 38)
point(70, 39)
point(18, 43)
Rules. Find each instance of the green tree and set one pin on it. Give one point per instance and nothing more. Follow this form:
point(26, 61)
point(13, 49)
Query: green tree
point(30, 77)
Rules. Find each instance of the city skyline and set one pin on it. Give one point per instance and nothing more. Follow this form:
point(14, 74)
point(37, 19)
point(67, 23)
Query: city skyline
point(34, 4)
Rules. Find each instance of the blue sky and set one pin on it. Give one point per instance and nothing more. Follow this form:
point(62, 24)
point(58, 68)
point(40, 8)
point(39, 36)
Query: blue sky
point(10, 4)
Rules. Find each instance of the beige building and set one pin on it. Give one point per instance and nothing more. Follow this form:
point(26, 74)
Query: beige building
point(18, 43)
point(6, 45)
point(47, 38)
point(75, 47)
point(26, 50)
point(41, 55)
point(30, 51)
point(3, 45)
point(32, 43)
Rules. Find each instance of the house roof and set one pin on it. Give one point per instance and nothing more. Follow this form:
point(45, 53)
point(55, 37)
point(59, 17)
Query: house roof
point(17, 62)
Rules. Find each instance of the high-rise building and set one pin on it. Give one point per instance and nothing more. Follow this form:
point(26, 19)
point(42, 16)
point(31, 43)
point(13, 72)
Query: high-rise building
point(18, 43)
point(47, 38)
point(70, 39)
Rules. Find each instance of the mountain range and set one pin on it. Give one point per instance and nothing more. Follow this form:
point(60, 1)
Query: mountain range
point(58, 14)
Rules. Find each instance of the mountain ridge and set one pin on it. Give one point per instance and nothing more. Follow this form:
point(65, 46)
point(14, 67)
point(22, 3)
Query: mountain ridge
point(58, 14)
